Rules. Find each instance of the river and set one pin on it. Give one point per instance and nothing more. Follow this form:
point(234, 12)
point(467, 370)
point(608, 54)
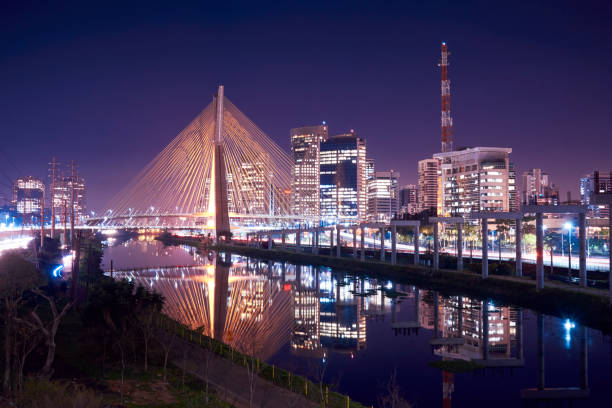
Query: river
point(357, 332)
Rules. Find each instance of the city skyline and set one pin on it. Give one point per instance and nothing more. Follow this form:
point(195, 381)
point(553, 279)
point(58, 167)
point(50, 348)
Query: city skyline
point(530, 91)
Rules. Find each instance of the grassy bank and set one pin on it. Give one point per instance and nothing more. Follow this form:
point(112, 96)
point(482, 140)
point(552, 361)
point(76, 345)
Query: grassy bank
point(318, 393)
point(589, 306)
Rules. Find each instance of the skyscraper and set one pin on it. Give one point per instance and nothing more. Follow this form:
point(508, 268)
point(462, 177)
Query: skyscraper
point(343, 180)
point(383, 196)
point(61, 199)
point(28, 196)
point(408, 197)
point(428, 173)
point(587, 189)
point(475, 179)
point(305, 155)
point(537, 188)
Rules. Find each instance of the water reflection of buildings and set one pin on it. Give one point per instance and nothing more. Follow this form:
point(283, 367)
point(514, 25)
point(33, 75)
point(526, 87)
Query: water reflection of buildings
point(473, 330)
point(328, 312)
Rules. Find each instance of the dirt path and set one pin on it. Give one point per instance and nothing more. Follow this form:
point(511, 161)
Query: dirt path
point(231, 381)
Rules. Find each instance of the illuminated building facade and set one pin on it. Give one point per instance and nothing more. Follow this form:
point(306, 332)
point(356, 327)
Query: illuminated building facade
point(408, 197)
point(28, 196)
point(62, 199)
point(428, 174)
point(587, 189)
point(343, 179)
point(476, 179)
point(305, 180)
point(537, 188)
point(383, 196)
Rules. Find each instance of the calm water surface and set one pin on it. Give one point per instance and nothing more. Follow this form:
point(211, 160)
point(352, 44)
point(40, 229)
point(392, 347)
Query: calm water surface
point(357, 332)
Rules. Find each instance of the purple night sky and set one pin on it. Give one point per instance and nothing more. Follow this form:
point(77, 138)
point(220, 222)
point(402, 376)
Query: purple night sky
point(110, 85)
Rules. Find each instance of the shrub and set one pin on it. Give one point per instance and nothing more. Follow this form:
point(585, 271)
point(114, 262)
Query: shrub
point(51, 394)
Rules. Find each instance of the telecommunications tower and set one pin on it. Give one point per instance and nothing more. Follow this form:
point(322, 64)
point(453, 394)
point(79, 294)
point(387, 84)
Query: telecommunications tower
point(447, 121)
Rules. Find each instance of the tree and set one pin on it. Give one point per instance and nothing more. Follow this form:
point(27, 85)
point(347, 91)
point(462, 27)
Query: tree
point(393, 398)
point(147, 308)
point(48, 329)
point(17, 275)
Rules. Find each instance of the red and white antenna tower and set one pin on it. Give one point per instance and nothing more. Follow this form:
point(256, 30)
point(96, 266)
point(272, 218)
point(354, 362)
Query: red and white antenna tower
point(447, 121)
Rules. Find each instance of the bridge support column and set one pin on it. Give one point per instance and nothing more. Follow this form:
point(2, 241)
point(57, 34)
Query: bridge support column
point(354, 242)
point(362, 254)
point(393, 244)
point(270, 241)
point(339, 246)
point(436, 259)
point(485, 248)
point(283, 234)
point(331, 241)
point(417, 231)
point(315, 247)
point(298, 240)
point(518, 238)
point(582, 248)
point(539, 252)
point(459, 246)
point(382, 244)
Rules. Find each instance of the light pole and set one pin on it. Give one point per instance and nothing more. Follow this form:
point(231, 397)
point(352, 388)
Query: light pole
point(568, 227)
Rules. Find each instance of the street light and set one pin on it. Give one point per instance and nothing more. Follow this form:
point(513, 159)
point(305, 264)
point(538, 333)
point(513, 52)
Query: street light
point(569, 227)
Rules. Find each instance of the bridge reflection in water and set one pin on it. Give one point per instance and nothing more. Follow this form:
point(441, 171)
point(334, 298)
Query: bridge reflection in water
point(259, 307)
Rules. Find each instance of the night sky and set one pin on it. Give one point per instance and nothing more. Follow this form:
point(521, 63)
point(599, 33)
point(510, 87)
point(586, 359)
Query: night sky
point(110, 85)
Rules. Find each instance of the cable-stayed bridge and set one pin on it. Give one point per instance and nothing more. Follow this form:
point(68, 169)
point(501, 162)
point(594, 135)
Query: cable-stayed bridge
point(221, 172)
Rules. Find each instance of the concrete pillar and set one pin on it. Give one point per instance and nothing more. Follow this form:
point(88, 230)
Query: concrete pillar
point(417, 231)
point(339, 246)
point(382, 244)
point(582, 248)
point(283, 235)
point(436, 260)
point(459, 246)
point(393, 244)
point(539, 252)
point(362, 254)
point(270, 241)
point(298, 240)
point(354, 242)
point(315, 248)
point(485, 248)
point(519, 334)
point(518, 244)
point(331, 240)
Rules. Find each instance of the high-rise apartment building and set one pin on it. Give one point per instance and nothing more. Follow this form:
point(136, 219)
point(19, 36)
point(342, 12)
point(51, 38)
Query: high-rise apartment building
point(408, 197)
point(369, 169)
point(537, 188)
point(383, 196)
point(428, 174)
point(28, 196)
point(62, 198)
point(342, 179)
point(305, 155)
point(476, 179)
point(588, 187)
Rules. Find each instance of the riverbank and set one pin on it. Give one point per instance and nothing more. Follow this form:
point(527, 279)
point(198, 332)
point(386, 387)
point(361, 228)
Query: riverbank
point(587, 305)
